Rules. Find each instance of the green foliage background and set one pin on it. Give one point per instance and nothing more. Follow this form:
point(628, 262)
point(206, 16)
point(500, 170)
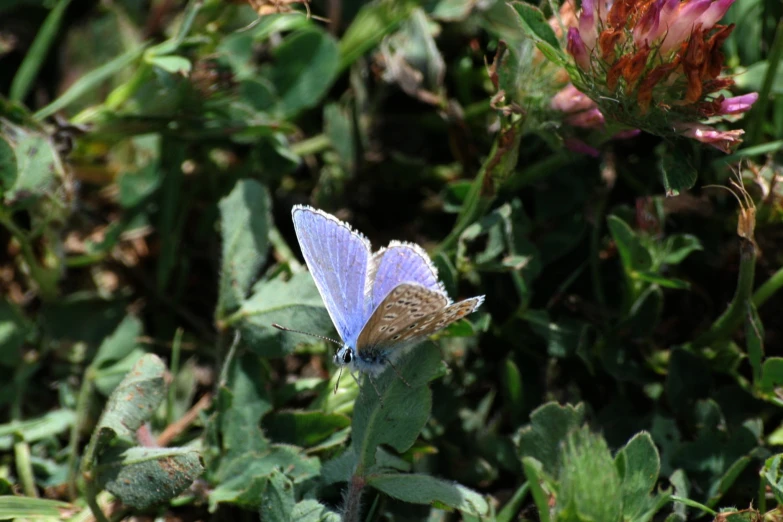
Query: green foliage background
point(626, 365)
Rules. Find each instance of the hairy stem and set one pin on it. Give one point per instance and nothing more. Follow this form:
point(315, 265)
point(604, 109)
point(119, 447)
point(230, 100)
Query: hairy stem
point(352, 507)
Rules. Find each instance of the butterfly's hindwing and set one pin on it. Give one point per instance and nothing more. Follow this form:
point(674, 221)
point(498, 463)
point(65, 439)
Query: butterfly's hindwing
point(400, 263)
point(338, 259)
point(410, 312)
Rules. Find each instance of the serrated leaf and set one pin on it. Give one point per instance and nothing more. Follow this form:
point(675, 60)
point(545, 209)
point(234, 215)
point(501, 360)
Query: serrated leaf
point(15, 507)
point(245, 221)
point(549, 425)
point(633, 253)
point(141, 477)
point(278, 500)
point(294, 304)
point(405, 409)
point(423, 489)
point(535, 24)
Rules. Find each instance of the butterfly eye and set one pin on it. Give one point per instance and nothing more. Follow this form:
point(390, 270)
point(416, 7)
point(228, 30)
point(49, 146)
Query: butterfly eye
point(347, 356)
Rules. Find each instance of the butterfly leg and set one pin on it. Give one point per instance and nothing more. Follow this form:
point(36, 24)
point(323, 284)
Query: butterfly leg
point(398, 373)
point(380, 397)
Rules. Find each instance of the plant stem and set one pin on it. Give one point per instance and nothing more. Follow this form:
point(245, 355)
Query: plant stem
point(24, 467)
point(727, 323)
point(176, 346)
point(756, 127)
point(82, 404)
point(768, 289)
point(353, 499)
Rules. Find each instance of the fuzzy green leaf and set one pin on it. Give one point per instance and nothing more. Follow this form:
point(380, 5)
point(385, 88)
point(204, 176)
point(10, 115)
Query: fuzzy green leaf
point(535, 477)
point(405, 409)
point(590, 487)
point(135, 399)
point(677, 173)
point(38, 165)
point(277, 503)
point(295, 304)
point(423, 489)
point(141, 477)
point(244, 226)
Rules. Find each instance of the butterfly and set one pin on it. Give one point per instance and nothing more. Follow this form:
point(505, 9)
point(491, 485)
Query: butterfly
point(378, 302)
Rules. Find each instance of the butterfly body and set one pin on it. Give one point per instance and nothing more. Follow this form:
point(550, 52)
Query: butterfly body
point(379, 302)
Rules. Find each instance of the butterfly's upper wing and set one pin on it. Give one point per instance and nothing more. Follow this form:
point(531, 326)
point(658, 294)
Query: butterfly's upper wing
point(338, 258)
point(400, 263)
point(409, 312)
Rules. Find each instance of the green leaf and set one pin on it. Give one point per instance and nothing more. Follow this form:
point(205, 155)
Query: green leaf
point(8, 169)
point(278, 500)
point(512, 389)
point(590, 487)
point(135, 399)
point(638, 465)
point(136, 185)
point(14, 329)
point(534, 475)
point(313, 511)
point(676, 170)
point(549, 425)
point(90, 82)
point(371, 24)
point(772, 374)
point(50, 424)
point(398, 421)
point(245, 222)
point(666, 282)
point(679, 246)
point(36, 54)
point(634, 254)
point(338, 127)
point(14, 507)
point(306, 64)
point(423, 489)
point(172, 64)
point(754, 339)
point(119, 344)
point(536, 25)
point(38, 165)
point(294, 304)
point(772, 475)
point(304, 428)
point(141, 477)
point(244, 480)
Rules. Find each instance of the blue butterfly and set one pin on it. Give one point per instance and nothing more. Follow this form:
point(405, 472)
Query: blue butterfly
point(378, 302)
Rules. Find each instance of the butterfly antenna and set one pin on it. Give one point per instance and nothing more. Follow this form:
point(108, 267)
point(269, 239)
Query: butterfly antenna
point(339, 376)
point(280, 327)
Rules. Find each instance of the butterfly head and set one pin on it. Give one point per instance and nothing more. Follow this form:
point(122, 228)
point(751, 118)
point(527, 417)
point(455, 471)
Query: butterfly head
point(344, 356)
